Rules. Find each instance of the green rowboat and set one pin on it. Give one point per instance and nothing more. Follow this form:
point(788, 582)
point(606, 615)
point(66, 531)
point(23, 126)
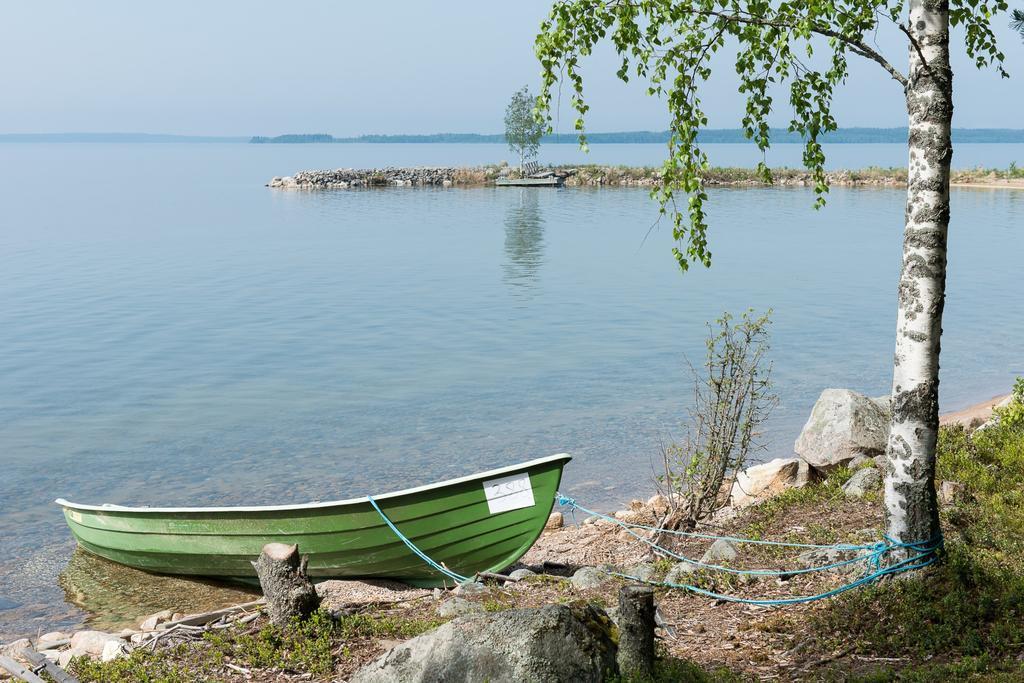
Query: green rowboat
point(480, 523)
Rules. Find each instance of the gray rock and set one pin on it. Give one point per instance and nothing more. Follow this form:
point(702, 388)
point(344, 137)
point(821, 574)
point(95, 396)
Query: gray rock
point(861, 482)
point(471, 588)
point(555, 521)
point(112, 650)
point(643, 571)
point(92, 642)
point(820, 557)
point(552, 643)
point(150, 622)
point(53, 639)
point(14, 648)
point(681, 573)
point(458, 606)
point(589, 577)
point(884, 403)
point(521, 574)
point(842, 425)
point(860, 461)
point(720, 551)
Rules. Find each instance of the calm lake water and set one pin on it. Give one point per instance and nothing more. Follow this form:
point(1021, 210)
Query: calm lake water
point(173, 332)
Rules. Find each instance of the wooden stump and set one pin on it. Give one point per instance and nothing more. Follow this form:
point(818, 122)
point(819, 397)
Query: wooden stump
point(636, 632)
point(288, 590)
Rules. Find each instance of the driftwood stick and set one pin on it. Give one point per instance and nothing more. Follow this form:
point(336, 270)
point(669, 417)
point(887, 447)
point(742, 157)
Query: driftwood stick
point(19, 671)
point(636, 633)
point(207, 617)
point(42, 663)
point(289, 592)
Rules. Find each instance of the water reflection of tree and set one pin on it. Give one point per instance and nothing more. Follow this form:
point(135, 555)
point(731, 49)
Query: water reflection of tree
point(524, 239)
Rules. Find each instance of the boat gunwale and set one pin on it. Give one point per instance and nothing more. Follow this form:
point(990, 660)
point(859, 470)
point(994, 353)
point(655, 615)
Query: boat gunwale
point(563, 457)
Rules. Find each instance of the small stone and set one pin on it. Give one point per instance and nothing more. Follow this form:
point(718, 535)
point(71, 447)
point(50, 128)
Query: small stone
point(631, 516)
point(520, 574)
point(126, 633)
point(636, 505)
point(112, 650)
point(589, 577)
point(457, 606)
point(861, 482)
point(471, 588)
point(555, 521)
point(91, 642)
point(720, 551)
point(177, 615)
point(766, 480)
point(680, 573)
point(859, 462)
point(153, 620)
point(643, 571)
point(14, 648)
point(52, 655)
point(658, 504)
point(950, 492)
point(49, 640)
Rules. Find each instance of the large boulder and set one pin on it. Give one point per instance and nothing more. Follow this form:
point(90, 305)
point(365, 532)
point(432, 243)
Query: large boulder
point(759, 482)
point(552, 643)
point(842, 426)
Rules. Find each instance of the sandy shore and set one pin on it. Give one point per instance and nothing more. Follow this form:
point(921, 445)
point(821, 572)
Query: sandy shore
point(994, 184)
point(981, 411)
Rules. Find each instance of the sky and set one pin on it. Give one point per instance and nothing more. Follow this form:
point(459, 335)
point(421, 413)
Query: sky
point(348, 68)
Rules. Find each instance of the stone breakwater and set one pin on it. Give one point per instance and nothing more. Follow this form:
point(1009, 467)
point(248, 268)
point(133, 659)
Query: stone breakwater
point(577, 176)
point(375, 177)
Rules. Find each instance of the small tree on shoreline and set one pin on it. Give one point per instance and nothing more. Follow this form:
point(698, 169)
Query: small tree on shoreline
point(523, 130)
point(732, 397)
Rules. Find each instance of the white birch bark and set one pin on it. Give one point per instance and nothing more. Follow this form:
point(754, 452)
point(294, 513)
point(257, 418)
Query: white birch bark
point(910, 504)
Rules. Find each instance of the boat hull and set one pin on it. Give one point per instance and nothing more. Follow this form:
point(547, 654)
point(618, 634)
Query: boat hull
point(480, 523)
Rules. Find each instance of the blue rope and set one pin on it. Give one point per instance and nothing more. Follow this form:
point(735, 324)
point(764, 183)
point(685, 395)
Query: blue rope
point(419, 553)
point(572, 504)
point(926, 555)
point(873, 551)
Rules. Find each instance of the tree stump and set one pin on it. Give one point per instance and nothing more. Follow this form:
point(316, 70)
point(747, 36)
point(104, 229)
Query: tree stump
point(288, 590)
point(636, 632)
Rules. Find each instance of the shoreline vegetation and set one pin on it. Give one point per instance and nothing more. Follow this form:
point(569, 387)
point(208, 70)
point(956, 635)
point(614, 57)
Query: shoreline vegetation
point(947, 626)
point(629, 176)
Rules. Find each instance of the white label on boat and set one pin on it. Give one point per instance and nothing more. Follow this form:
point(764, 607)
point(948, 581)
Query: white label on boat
point(76, 516)
point(509, 493)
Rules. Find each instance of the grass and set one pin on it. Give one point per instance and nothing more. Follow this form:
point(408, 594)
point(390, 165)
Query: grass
point(965, 617)
point(669, 669)
point(308, 647)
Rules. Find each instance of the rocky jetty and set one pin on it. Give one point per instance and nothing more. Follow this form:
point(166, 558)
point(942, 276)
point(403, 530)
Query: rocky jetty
point(343, 178)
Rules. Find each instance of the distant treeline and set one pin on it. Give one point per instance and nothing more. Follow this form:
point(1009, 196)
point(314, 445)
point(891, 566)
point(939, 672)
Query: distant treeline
point(717, 135)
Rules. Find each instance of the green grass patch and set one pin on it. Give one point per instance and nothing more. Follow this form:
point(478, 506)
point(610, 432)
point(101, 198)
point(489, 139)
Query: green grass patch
point(968, 612)
point(171, 665)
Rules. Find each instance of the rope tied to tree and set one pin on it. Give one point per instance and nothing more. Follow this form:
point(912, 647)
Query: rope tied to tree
point(872, 555)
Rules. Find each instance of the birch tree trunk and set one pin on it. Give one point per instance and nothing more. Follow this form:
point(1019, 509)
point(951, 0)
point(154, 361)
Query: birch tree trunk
point(910, 503)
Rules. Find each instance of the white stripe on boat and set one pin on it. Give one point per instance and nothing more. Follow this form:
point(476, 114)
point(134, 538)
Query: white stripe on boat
point(310, 506)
